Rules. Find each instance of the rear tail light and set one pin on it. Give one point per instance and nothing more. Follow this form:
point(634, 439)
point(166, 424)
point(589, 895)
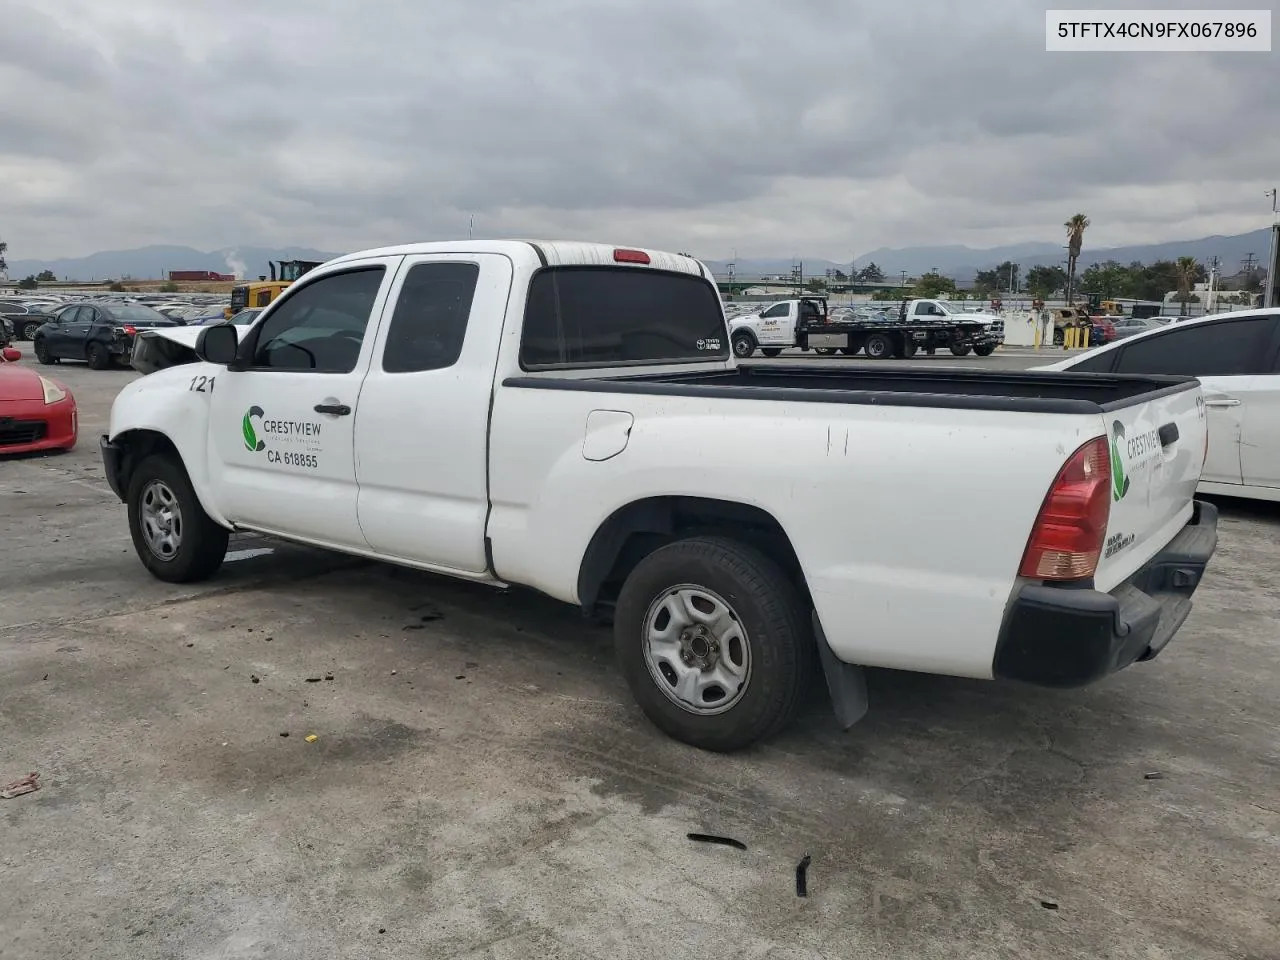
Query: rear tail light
point(621, 255)
point(1069, 531)
point(130, 329)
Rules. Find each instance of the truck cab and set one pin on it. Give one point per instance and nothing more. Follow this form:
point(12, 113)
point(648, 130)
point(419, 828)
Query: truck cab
point(773, 329)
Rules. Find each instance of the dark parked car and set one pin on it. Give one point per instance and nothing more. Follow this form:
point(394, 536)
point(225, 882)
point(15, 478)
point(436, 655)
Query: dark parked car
point(100, 333)
point(242, 319)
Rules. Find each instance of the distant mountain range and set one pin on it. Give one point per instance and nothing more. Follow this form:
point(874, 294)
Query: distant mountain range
point(962, 262)
point(154, 263)
point(956, 261)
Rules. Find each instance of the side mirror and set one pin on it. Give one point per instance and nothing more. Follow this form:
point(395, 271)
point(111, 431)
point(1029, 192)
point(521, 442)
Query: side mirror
point(11, 355)
point(218, 344)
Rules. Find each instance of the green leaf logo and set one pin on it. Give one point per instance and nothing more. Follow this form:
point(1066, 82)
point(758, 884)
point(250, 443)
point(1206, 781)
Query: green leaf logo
point(1119, 482)
point(251, 441)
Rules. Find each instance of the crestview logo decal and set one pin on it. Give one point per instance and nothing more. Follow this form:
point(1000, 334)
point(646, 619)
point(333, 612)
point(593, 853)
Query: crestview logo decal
point(294, 443)
point(251, 441)
point(1119, 482)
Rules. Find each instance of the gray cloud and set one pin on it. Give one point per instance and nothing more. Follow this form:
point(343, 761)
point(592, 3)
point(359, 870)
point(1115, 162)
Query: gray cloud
point(816, 127)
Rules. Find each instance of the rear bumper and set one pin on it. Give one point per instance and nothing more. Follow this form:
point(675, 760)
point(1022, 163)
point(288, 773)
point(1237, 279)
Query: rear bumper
point(1068, 637)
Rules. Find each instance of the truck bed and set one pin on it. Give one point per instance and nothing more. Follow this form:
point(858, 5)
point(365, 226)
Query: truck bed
point(1021, 391)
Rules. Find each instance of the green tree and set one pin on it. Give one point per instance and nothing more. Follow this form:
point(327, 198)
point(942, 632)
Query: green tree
point(4, 248)
point(816, 285)
point(28, 283)
point(1185, 270)
point(1075, 227)
point(169, 287)
point(1044, 282)
point(870, 274)
point(931, 286)
point(46, 276)
point(1110, 279)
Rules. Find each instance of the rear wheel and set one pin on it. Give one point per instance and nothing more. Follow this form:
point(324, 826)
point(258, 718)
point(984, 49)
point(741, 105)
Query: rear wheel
point(744, 345)
point(985, 349)
point(825, 351)
point(42, 353)
point(173, 536)
point(960, 349)
point(28, 330)
point(880, 346)
point(1058, 338)
point(714, 642)
point(772, 351)
point(909, 347)
point(98, 356)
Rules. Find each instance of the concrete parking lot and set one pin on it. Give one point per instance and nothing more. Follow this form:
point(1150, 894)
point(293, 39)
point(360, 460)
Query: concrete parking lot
point(481, 784)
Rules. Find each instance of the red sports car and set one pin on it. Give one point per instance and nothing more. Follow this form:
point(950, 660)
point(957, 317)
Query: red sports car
point(36, 413)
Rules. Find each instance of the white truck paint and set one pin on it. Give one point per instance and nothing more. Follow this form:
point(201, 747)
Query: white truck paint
point(569, 417)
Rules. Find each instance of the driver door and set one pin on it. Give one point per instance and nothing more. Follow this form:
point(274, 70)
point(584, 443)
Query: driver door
point(281, 426)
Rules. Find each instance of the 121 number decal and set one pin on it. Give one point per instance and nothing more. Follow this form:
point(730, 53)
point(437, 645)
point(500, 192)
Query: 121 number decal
point(202, 384)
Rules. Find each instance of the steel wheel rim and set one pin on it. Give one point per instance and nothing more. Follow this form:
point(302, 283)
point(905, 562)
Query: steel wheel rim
point(161, 519)
point(696, 649)
point(742, 347)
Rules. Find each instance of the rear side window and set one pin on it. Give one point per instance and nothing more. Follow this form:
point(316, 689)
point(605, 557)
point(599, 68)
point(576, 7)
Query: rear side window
point(1098, 363)
point(1234, 348)
point(607, 316)
point(430, 320)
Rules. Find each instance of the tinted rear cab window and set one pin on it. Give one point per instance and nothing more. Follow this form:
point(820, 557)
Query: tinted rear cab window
point(613, 316)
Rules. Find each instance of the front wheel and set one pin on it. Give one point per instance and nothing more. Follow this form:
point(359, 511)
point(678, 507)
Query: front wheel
point(960, 349)
point(173, 536)
point(744, 345)
point(985, 349)
point(714, 642)
point(772, 352)
point(42, 353)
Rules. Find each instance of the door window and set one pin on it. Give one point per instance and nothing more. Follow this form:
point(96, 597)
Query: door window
point(430, 320)
point(1223, 349)
point(777, 310)
point(320, 327)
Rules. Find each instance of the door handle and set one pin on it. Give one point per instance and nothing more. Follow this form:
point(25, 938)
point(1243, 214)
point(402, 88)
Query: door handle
point(337, 409)
point(1223, 402)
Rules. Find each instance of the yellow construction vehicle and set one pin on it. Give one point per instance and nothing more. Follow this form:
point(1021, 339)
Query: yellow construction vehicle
point(259, 293)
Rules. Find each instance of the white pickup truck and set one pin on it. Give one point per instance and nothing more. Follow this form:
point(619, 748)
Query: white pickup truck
point(805, 322)
point(569, 417)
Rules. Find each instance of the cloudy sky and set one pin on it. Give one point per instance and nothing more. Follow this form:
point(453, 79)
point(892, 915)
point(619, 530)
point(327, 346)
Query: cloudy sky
point(810, 127)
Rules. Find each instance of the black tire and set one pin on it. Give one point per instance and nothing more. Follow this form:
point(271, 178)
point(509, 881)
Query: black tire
point(771, 352)
point(909, 348)
point(775, 623)
point(1059, 338)
point(880, 346)
point(203, 543)
point(99, 357)
point(960, 349)
point(849, 351)
point(27, 331)
point(825, 351)
point(744, 345)
point(985, 349)
point(42, 353)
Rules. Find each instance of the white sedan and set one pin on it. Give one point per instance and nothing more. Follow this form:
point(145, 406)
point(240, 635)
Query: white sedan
point(1236, 356)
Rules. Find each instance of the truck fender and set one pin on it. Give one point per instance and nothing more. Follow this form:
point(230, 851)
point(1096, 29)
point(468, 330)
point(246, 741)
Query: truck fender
point(141, 426)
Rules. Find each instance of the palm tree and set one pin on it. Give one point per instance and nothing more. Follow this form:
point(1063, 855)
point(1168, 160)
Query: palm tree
point(1075, 240)
point(1186, 270)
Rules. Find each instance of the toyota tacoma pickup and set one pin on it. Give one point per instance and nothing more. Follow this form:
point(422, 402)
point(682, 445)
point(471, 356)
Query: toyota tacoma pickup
point(570, 417)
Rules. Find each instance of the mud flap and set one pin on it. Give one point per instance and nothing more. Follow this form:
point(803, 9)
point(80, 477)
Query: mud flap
point(846, 682)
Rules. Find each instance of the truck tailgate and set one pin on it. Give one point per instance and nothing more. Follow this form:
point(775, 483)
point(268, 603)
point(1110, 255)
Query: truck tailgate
point(1157, 453)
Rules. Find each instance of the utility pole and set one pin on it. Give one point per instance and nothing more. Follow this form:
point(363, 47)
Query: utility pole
point(904, 278)
point(1273, 259)
point(1210, 297)
point(1249, 262)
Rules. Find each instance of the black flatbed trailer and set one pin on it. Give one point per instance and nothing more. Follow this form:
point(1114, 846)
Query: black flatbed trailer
point(886, 339)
